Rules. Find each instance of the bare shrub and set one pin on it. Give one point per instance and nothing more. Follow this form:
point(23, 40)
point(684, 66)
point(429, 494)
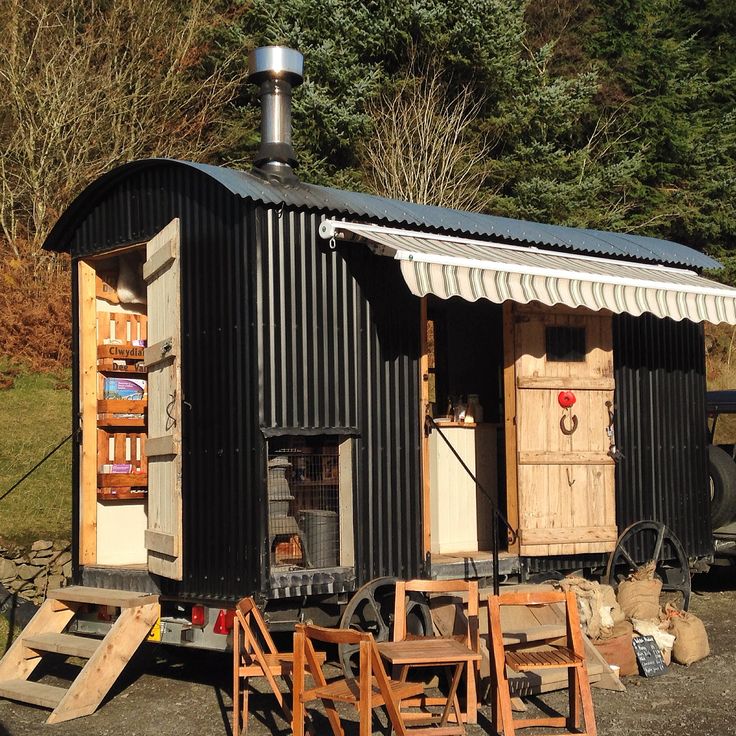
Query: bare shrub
point(424, 147)
point(89, 85)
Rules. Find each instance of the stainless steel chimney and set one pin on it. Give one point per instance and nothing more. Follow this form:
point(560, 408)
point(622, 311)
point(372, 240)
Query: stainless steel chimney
point(276, 69)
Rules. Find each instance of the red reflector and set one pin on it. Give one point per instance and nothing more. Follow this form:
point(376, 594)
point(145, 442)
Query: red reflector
point(224, 622)
point(197, 615)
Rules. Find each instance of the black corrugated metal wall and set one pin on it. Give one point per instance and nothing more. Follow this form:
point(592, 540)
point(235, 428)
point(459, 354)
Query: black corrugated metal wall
point(338, 349)
point(661, 427)
point(279, 332)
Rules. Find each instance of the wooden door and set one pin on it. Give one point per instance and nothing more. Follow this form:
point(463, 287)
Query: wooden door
point(566, 495)
point(163, 360)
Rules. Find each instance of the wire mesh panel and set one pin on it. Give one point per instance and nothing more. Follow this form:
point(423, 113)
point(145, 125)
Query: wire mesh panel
point(304, 503)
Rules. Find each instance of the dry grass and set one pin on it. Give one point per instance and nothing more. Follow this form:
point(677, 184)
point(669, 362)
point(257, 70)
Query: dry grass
point(34, 416)
point(6, 636)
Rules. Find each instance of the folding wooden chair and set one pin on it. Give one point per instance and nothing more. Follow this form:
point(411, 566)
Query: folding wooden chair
point(255, 655)
point(469, 637)
point(569, 654)
point(372, 689)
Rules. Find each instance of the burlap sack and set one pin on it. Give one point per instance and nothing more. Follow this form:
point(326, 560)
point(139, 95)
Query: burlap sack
point(691, 639)
point(597, 607)
point(609, 599)
point(618, 649)
point(640, 598)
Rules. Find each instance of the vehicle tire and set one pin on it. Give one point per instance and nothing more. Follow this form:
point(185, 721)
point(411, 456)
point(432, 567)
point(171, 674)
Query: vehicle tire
point(722, 473)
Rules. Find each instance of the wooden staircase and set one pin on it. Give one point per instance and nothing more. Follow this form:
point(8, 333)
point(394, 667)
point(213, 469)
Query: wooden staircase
point(106, 658)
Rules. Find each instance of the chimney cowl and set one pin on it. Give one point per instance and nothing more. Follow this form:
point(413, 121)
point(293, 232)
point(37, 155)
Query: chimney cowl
point(277, 70)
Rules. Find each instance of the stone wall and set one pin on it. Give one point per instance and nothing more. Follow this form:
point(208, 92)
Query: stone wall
point(31, 572)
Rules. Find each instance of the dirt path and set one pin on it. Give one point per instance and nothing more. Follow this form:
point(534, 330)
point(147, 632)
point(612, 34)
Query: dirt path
point(182, 693)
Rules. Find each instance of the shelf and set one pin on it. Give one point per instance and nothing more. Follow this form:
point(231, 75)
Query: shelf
point(121, 480)
point(121, 406)
point(327, 482)
point(466, 425)
point(108, 408)
point(110, 422)
point(121, 494)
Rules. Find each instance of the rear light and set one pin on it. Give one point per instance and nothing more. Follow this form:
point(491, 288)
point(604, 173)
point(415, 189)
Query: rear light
point(197, 615)
point(224, 623)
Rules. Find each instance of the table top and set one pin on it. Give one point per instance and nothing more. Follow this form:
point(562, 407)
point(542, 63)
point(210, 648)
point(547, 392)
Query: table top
point(426, 651)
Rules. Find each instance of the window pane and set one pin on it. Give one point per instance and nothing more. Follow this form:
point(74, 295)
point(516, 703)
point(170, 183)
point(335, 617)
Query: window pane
point(565, 344)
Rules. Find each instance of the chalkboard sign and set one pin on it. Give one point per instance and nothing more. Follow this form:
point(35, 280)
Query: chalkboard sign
point(649, 656)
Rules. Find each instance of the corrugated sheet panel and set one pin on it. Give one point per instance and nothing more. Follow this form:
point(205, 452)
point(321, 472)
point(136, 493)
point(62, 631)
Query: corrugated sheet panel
point(393, 212)
point(334, 347)
point(661, 428)
point(338, 348)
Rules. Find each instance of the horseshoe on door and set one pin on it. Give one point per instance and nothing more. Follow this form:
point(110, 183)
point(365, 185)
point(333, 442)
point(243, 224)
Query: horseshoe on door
point(574, 424)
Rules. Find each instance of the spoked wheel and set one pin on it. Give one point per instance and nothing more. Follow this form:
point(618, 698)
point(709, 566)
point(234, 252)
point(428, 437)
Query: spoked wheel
point(643, 542)
point(372, 609)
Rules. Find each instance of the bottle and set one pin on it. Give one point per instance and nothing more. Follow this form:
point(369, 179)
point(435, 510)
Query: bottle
point(475, 410)
point(460, 409)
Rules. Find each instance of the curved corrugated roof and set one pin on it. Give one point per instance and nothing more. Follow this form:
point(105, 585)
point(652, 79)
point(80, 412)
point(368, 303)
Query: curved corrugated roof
point(384, 211)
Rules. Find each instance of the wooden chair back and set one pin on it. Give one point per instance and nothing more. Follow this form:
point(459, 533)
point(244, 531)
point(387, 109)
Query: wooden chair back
point(469, 587)
point(539, 598)
point(254, 626)
point(359, 692)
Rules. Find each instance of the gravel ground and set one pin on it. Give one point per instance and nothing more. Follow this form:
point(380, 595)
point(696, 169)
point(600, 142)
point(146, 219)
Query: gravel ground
point(169, 691)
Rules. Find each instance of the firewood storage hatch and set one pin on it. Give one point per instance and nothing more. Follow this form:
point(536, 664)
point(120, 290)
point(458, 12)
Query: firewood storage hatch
point(309, 490)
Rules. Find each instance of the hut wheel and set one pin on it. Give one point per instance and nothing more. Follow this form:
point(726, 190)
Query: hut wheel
point(372, 609)
point(642, 542)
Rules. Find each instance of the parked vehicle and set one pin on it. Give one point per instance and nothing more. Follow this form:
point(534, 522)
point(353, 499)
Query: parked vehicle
point(721, 406)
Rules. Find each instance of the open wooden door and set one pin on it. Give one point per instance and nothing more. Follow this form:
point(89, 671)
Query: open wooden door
point(161, 272)
point(566, 494)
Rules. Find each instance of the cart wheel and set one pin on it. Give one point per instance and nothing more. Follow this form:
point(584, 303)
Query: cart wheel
point(372, 609)
point(651, 540)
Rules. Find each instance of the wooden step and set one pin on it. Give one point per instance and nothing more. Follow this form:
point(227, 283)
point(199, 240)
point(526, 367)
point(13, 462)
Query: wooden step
point(102, 596)
point(69, 644)
point(35, 693)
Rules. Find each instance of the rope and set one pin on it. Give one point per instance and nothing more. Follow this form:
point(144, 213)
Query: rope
point(36, 466)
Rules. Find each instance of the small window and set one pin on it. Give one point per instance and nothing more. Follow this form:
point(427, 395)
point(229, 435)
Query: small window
point(565, 344)
point(306, 499)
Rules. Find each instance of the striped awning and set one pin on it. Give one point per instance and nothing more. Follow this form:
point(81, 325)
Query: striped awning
point(475, 269)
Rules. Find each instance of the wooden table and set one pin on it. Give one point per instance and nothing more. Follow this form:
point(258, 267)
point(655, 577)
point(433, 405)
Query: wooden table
point(434, 652)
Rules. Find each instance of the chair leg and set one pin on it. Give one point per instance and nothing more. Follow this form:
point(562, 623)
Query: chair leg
point(236, 678)
point(236, 705)
point(246, 695)
point(495, 705)
point(504, 702)
point(573, 696)
point(586, 698)
point(297, 705)
point(471, 695)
